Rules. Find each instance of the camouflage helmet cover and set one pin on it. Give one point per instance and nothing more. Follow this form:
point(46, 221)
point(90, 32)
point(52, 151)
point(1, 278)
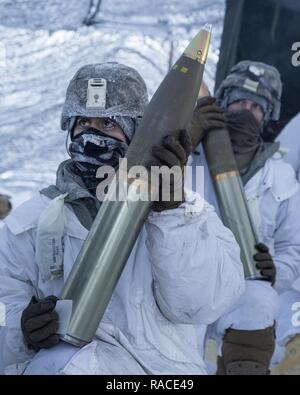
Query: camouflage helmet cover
point(126, 93)
point(257, 78)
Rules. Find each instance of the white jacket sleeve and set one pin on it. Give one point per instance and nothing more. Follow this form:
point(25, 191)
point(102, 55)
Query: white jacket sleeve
point(287, 244)
point(16, 290)
point(289, 139)
point(196, 263)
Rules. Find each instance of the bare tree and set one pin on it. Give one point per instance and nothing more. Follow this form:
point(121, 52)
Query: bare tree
point(93, 11)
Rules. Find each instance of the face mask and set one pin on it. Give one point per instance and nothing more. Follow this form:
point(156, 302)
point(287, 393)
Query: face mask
point(245, 135)
point(245, 131)
point(92, 149)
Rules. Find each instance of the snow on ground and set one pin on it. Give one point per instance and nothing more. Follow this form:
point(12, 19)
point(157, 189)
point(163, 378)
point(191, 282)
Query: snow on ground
point(44, 42)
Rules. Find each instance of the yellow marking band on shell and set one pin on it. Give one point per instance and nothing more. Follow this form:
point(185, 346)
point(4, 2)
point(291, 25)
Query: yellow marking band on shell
point(184, 69)
point(223, 176)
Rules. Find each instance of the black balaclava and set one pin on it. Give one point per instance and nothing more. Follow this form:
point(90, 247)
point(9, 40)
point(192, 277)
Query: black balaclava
point(246, 136)
point(91, 149)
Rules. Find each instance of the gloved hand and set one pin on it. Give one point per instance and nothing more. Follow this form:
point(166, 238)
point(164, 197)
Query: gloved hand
point(172, 152)
point(5, 206)
point(265, 262)
point(39, 323)
point(207, 116)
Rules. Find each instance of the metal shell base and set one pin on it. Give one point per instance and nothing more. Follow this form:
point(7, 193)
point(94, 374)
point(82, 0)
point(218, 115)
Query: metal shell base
point(73, 340)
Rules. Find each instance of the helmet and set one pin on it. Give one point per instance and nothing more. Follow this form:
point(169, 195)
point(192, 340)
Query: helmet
point(254, 80)
point(104, 90)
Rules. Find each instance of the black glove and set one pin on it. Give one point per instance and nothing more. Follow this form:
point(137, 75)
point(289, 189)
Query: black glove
point(5, 206)
point(207, 116)
point(39, 323)
point(265, 262)
point(172, 152)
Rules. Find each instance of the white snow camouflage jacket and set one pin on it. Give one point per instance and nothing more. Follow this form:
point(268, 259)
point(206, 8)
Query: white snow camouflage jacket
point(184, 271)
point(274, 199)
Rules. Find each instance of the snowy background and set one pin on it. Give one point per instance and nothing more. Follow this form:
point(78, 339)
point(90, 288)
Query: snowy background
point(44, 42)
